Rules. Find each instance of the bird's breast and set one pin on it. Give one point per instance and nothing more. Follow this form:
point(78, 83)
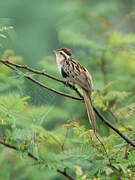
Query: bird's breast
point(59, 67)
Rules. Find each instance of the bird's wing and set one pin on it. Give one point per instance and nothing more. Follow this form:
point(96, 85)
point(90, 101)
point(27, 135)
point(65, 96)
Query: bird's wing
point(77, 74)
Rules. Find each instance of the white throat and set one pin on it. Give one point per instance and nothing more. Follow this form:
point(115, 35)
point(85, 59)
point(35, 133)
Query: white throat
point(59, 59)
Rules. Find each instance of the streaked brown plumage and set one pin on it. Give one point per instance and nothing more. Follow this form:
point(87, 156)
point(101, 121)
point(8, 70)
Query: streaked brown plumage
point(76, 73)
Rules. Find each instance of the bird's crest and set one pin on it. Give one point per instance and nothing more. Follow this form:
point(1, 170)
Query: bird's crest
point(66, 50)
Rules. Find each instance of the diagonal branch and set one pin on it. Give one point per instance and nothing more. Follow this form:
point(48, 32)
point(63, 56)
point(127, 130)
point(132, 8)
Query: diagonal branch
point(51, 89)
point(35, 158)
point(32, 70)
point(15, 66)
point(42, 73)
point(132, 143)
point(6, 62)
point(41, 84)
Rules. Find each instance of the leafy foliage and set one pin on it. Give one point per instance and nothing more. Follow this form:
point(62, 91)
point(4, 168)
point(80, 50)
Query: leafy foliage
point(56, 130)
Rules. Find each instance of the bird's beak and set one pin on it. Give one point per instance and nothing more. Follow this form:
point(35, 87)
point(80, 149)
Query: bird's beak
point(56, 52)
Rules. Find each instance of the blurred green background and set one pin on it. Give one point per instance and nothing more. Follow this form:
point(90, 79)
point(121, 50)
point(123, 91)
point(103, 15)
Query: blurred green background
point(101, 35)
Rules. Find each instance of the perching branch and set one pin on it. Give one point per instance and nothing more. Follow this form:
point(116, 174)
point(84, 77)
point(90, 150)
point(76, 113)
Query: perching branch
point(132, 143)
point(43, 73)
point(35, 158)
point(16, 66)
point(41, 84)
point(51, 89)
point(32, 70)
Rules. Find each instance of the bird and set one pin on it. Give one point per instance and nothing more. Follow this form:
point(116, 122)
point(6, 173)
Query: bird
point(77, 74)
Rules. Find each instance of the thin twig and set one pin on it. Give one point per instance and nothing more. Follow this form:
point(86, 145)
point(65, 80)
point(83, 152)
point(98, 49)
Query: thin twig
point(126, 152)
point(65, 174)
point(94, 145)
point(71, 86)
point(51, 89)
point(43, 85)
point(64, 141)
point(42, 73)
point(32, 70)
point(35, 158)
point(17, 149)
point(112, 127)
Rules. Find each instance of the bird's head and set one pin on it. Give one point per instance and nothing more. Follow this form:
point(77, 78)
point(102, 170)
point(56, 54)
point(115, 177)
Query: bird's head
point(63, 53)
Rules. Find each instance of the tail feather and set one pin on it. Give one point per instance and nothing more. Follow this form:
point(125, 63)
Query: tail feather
point(90, 111)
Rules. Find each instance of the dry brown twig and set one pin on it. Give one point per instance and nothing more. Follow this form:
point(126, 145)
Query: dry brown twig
point(43, 73)
point(11, 65)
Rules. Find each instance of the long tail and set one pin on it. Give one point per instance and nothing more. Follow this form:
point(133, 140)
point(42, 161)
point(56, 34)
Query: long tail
point(90, 111)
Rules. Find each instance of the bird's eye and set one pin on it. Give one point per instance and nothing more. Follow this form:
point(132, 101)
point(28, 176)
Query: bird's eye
point(63, 54)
